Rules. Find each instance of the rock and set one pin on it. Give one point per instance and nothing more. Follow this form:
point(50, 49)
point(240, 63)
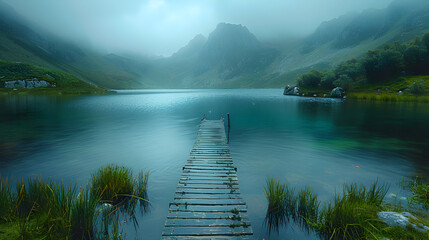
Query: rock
point(401, 219)
point(2, 77)
point(337, 93)
point(314, 95)
point(28, 83)
point(392, 195)
point(104, 208)
point(291, 90)
point(399, 92)
point(49, 76)
point(325, 95)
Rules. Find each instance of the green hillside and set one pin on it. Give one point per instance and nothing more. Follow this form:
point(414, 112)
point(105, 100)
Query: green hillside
point(64, 83)
point(351, 36)
point(396, 71)
point(231, 56)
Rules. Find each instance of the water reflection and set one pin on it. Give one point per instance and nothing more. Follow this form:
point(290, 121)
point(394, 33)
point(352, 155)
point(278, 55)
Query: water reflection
point(321, 142)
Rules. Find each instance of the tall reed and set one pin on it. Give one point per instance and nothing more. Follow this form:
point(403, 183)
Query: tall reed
point(308, 205)
point(5, 199)
point(349, 216)
point(82, 215)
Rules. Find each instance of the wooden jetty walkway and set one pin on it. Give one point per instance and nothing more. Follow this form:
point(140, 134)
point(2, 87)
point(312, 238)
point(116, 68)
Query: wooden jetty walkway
point(207, 203)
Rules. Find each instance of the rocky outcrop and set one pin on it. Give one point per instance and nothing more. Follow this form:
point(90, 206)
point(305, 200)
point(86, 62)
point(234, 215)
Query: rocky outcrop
point(28, 83)
point(291, 90)
point(337, 93)
point(401, 219)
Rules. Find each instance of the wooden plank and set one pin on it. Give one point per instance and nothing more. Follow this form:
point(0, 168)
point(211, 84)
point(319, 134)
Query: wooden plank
point(202, 222)
point(208, 201)
point(207, 196)
point(204, 215)
point(207, 231)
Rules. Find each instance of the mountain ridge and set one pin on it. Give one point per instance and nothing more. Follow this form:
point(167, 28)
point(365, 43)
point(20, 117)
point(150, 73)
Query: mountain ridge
point(230, 57)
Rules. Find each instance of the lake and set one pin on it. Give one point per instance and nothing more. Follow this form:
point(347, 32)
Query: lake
point(304, 141)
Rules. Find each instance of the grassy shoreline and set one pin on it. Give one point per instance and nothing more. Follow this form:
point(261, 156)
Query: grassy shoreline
point(43, 209)
point(352, 214)
point(394, 90)
point(63, 83)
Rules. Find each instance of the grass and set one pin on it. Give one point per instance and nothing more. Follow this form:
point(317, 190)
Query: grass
point(352, 214)
point(5, 199)
point(420, 190)
point(65, 83)
point(388, 91)
point(276, 194)
point(308, 205)
point(40, 209)
point(282, 204)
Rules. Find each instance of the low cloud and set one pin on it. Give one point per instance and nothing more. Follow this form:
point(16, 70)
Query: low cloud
point(161, 27)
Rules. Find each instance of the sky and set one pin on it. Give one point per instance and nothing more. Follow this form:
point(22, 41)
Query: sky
point(161, 27)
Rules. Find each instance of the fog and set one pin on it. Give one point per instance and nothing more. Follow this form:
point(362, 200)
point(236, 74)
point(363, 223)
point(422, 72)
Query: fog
point(161, 27)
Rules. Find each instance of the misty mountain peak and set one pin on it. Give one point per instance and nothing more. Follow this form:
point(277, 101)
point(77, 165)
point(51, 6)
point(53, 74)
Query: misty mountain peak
point(229, 36)
point(192, 48)
point(228, 41)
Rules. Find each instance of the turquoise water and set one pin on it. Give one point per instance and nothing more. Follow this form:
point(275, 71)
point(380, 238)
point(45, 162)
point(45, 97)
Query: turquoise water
point(305, 141)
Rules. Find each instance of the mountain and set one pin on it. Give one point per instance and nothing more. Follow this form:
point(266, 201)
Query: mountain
point(230, 57)
point(350, 36)
point(19, 42)
point(192, 48)
point(233, 51)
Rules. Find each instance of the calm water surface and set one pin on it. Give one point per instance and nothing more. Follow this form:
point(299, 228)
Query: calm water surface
point(305, 141)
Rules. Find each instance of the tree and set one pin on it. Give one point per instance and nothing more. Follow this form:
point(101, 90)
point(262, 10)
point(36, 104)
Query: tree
point(328, 78)
point(311, 79)
point(426, 41)
point(416, 59)
point(344, 81)
point(351, 68)
point(380, 65)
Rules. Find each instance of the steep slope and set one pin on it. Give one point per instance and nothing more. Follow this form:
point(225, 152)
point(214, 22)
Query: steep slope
point(230, 57)
point(21, 43)
point(232, 50)
point(24, 77)
point(352, 35)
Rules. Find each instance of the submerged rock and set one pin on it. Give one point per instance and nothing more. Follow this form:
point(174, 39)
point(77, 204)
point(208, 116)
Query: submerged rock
point(104, 208)
point(337, 93)
point(291, 90)
point(401, 219)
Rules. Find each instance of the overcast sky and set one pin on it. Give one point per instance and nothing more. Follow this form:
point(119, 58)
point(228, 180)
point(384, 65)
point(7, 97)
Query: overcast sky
point(161, 27)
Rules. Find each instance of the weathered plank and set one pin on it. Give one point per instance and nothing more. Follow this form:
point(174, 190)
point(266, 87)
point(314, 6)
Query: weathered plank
point(207, 203)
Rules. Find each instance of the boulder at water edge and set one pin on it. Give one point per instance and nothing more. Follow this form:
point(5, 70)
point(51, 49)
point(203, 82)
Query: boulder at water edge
point(401, 219)
point(337, 93)
point(291, 90)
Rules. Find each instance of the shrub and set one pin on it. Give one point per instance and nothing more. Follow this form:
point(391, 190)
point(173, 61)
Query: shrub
point(328, 78)
point(310, 79)
point(417, 88)
point(344, 82)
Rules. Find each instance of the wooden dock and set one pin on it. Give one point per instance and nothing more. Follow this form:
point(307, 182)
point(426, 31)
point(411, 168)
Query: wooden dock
point(207, 203)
